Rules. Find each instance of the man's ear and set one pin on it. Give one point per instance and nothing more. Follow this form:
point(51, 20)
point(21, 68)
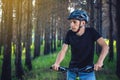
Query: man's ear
point(83, 23)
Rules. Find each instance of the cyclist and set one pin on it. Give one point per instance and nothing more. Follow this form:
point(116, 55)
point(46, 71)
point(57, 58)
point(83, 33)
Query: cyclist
point(81, 39)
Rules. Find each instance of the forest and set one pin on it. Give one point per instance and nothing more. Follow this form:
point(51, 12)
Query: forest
point(32, 33)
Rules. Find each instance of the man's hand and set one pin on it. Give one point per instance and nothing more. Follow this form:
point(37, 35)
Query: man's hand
point(55, 67)
point(98, 66)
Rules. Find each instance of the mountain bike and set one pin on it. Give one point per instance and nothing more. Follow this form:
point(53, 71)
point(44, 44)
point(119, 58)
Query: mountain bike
point(86, 69)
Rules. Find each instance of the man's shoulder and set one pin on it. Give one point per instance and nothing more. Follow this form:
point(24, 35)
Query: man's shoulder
point(69, 31)
point(91, 29)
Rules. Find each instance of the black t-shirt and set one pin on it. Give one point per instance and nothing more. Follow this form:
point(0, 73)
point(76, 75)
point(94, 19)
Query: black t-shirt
point(82, 47)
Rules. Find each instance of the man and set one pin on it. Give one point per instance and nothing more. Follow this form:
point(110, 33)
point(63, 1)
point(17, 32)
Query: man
point(81, 39)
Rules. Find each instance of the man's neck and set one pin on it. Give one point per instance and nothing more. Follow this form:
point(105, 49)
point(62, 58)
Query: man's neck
point(81, 31)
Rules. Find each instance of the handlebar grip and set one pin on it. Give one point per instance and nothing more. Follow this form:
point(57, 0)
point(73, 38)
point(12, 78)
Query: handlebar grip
point(51, 67)
point(62, 69)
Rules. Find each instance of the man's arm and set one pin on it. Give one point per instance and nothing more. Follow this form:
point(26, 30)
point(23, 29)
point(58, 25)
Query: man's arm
point(60, 57)
point(103, 53)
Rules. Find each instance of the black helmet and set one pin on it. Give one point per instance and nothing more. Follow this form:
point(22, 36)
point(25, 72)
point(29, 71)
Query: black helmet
point(79, 15)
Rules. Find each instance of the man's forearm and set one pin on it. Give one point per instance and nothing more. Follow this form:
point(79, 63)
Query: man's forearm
point(61, 54)
point(59, 58)
point(103, 54)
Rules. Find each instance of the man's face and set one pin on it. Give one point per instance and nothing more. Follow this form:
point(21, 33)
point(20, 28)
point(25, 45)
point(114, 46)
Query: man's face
point(74, 24)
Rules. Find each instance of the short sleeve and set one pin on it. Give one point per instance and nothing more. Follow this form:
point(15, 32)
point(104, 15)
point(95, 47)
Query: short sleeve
point(95, 34)
point(66, 40)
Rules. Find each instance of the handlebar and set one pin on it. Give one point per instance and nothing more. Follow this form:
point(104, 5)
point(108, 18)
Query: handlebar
point(86, 69)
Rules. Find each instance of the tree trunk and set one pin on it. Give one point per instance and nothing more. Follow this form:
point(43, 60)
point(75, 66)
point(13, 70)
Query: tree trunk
point(28, 36)
point(37, 41)
point(52, 31)
point(59, 42)
point(92, 13)
point(54, 40)
point(99, 23)
point(2, 32)
point(111, 55)
point(6, 66)
point(0, 38)
point(47, 41)
point(118, 37)
point(18, 65)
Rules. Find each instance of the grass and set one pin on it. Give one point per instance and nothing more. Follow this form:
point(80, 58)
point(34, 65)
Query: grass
point(41, 69)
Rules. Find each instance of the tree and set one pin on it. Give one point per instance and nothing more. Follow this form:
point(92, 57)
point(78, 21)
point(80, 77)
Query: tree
point(37, 28)
point(28, 35)
point(47, 45)
point(2, 28)
point(0, 39)
point(118, 37)
point(63, 14)
point(6, 66)
point(92, 13)
point(98, 22)
point(111, 55)
point(18, 64)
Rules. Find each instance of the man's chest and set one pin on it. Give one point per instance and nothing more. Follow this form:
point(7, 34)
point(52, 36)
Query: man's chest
point(80, 41)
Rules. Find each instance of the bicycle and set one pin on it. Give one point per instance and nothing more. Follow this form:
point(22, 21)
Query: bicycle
point(86, 69)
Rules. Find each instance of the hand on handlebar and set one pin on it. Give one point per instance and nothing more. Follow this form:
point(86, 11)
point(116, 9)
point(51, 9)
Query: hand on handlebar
point(86, 69)
point(61, 69)
point(98, 66)
point(55, 67)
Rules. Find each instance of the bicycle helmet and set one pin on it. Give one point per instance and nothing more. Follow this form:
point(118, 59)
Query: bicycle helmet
point(79, 15)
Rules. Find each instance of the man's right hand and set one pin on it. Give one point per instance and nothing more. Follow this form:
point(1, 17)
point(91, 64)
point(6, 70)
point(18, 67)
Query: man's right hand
point(55, 67)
